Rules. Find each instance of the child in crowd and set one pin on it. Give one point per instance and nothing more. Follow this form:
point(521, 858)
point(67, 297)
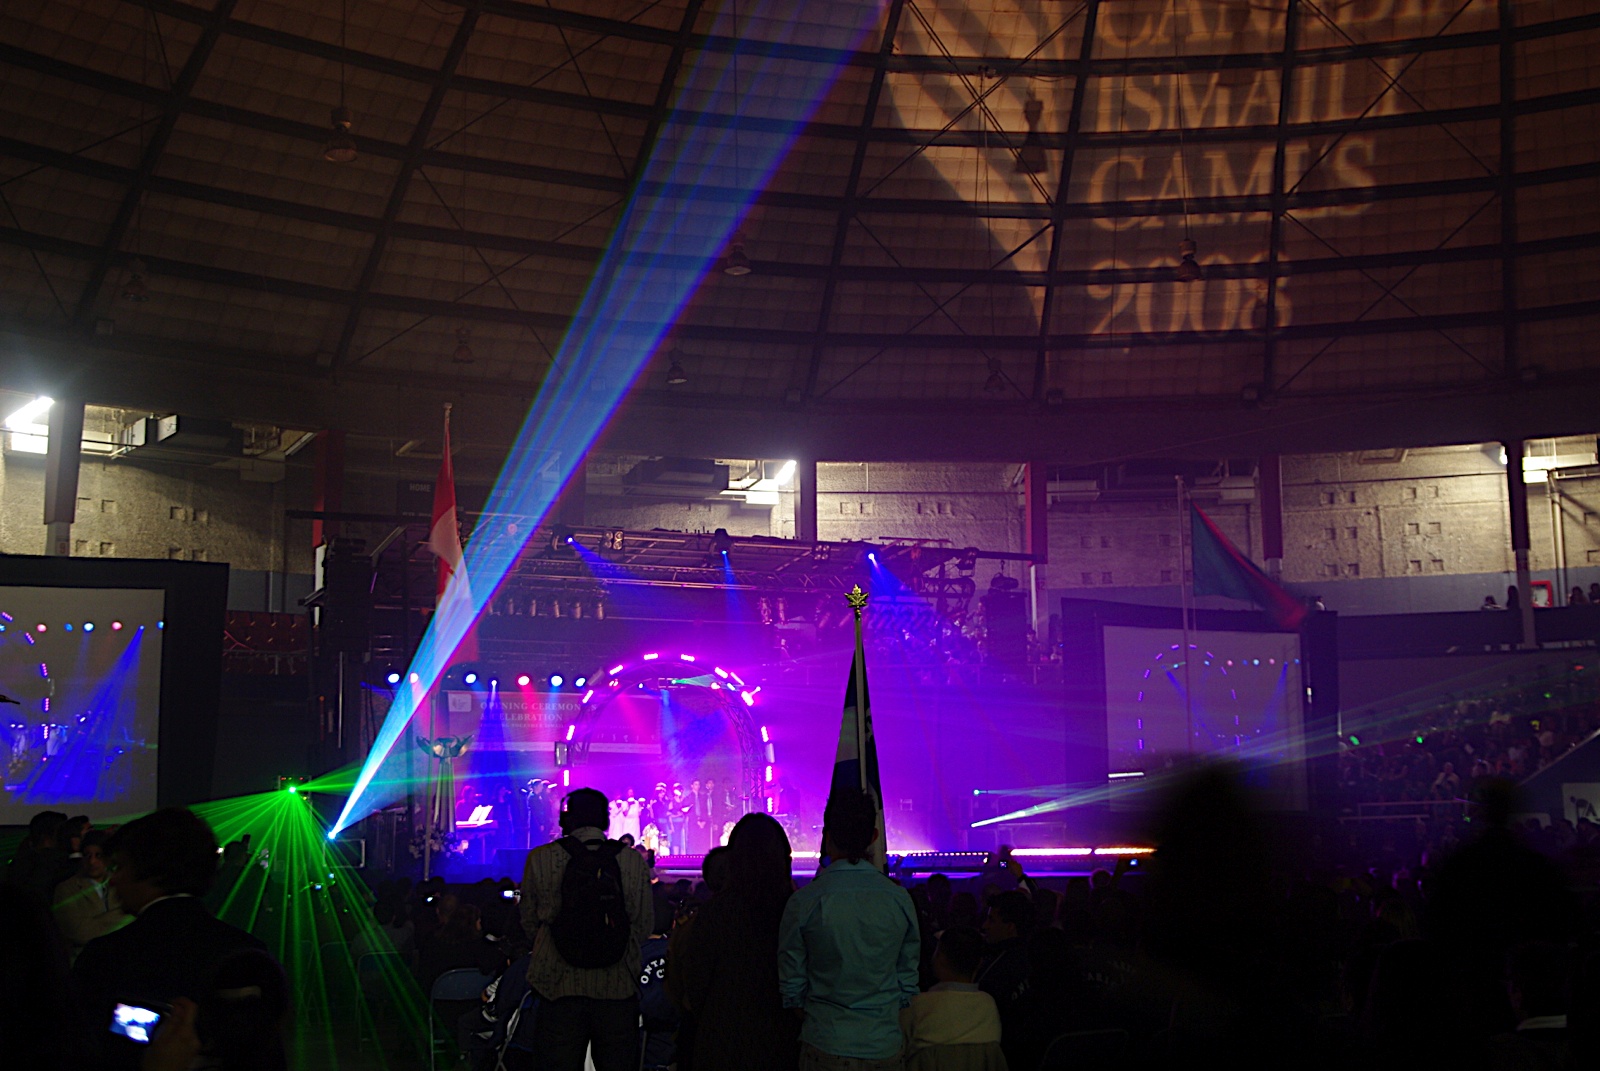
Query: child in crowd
point(954, 1026)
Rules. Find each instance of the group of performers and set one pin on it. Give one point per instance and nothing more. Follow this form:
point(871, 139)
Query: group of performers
point(676, 819)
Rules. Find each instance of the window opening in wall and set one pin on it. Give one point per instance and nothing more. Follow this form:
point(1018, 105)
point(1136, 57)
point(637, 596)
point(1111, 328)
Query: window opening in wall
point(1413, 528)
point(1330, 534)
point(1435, 528)
point(1105, 578)
point(1352, 569)
point(1330, 569)
point(1088, 578)
point(1437, 564)
point(1414, 565)
point(1352, 533)
point(108, 550)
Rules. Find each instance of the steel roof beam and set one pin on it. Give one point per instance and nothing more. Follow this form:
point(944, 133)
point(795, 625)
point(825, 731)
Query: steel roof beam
point(175, 103)
point(402, 180)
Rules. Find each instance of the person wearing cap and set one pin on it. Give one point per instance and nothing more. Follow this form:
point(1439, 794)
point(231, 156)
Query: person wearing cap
point(581, 1009)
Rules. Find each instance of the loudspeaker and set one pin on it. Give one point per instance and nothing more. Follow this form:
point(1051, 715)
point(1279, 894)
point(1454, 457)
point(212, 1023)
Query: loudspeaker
point(345, 621)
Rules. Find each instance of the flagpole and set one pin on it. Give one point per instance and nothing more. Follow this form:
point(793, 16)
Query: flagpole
point(858, 602)
point(1186, 602)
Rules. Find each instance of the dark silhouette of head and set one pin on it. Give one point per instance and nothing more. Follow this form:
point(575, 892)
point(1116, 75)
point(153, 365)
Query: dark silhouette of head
point(166, 852)
point(851, 822)
point(585, 808)
point(759, 867)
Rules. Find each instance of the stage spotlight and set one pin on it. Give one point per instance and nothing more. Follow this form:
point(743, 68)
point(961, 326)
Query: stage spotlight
point(415, 678)
point(557, 680)
point(580, 682)
point(522, 681)
point(116, 626)
point(67, 627)
point(470, 678)
point(393, 678)
point(41, 627)
point(88, 626)
point(494, 682)
point(159, 625)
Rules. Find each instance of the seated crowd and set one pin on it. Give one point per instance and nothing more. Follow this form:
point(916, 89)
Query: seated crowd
point(1439, 753)
point(1236, 941)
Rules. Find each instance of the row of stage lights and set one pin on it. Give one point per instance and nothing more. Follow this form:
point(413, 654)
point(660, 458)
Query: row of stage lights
point(524, 680)
point(6, 621)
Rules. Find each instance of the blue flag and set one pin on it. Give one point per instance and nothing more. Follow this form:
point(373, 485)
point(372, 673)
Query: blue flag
point(855, 765)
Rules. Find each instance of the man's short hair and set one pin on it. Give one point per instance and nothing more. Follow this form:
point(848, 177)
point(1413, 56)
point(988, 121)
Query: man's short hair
point(1015, 908)
point(962, 948)
point(46, 824)
point(95, 838)
point(585, 808)
point(851, 819)
point(172, 848)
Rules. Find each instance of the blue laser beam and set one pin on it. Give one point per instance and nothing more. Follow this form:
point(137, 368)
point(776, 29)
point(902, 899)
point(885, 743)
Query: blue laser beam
point(696, 185)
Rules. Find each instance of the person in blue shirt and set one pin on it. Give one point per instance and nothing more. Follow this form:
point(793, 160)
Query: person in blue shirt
point(848, 948)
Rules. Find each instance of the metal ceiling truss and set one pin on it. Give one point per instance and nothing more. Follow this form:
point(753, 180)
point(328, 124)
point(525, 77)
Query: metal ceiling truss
point(852, 206)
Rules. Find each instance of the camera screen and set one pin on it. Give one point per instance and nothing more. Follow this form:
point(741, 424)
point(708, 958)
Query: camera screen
point(134, 1022)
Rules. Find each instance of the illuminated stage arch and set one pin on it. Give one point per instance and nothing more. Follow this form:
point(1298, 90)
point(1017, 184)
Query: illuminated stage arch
point(733, 698)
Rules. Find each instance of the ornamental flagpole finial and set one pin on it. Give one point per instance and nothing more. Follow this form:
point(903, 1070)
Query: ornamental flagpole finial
point(857, 599)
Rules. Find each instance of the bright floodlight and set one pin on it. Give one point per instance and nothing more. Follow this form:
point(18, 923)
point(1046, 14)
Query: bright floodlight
point(557, 680)
point(580, 682)
point(470, 678)
point(785, 474)
point(393, 678)
point(523, 681)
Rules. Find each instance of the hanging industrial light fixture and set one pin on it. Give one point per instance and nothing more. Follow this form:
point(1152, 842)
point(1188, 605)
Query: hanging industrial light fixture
point(1189, 270)
point(135, 290)
point(996, 383)
point(676, 376)
point(1030, 158)
point(463, 352)
point(736, 263)
point(341, 147)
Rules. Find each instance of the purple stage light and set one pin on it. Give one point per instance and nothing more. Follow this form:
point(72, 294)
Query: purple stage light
point(44, 670)
point(566, 778)
point(523, 681)
point(5, 616)
point(687, 657)
point(29, 637)
point(651, 657)
point(573, 728)
point(719, 671)
point(588, 695)
point(614, 670)
point(769, 775)
point(765, 739)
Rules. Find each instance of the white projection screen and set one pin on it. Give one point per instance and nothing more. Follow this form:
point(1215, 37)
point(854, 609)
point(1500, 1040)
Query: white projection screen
point(1238, 696)
point(82, 670)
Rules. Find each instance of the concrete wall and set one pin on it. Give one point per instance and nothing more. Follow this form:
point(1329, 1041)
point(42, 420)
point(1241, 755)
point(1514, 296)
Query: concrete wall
point(1387, 532)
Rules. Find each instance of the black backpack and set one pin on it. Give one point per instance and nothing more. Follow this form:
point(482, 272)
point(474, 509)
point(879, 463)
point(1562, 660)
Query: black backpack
point(591, 929)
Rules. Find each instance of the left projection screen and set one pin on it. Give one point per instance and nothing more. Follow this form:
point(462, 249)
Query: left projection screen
point(83, 666)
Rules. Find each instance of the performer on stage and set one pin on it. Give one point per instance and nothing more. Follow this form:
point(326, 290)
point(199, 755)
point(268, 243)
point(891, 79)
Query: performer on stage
point(699, 832)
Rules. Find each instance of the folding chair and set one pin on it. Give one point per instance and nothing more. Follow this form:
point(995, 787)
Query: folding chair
point(371, 971)
point(464, 983)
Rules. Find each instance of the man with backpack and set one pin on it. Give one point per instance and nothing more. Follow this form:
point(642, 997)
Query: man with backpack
point(586, 903)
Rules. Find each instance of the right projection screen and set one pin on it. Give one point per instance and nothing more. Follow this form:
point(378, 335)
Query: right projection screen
point(1233, 695)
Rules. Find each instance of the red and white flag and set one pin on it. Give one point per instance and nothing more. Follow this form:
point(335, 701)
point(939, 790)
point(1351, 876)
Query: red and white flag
point(444, 539)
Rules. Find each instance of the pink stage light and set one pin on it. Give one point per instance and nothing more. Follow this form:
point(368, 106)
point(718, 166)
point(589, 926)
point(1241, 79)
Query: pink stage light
point(749, 700)
point(116, 626)
point(570, 730)
point(651, 657)
point(686, 657)
point(40, 627)
point(522, 681)
point(614, 670)
point(588, 695)
point(566, 778)
point(765, 739)
point(769, 775)
point(719, 671)
point(415, 678)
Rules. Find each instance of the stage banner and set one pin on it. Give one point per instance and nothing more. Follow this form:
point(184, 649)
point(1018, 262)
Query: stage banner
point(535, 721)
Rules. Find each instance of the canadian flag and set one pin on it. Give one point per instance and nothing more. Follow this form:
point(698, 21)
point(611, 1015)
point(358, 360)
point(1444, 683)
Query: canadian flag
point(444, 539)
